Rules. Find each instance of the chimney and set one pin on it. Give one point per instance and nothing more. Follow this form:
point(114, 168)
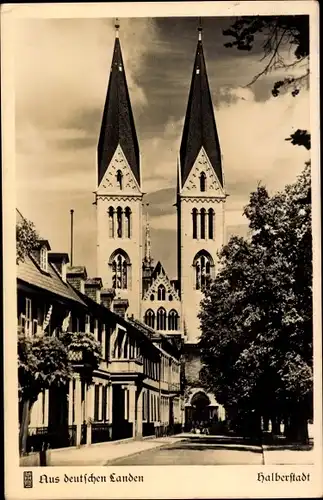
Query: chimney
point(77, 276)
point(60, 261)
point(107, 295)
point(120, 306)
point(92, 289)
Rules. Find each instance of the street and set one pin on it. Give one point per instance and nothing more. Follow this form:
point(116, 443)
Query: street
point(198, 450)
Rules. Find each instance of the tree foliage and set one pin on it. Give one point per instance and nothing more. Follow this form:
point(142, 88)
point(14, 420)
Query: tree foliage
point(279, 36)
point(42, 362)
point(26, 239)
point(256, 316)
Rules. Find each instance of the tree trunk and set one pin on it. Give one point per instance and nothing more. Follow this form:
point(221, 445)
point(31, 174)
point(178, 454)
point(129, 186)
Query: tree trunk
point(297, 428)
point(23, 431)
point(265, 427)
point(275, 425)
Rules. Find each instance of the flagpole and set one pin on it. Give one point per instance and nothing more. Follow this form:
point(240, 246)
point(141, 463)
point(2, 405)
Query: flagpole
point(72, 228)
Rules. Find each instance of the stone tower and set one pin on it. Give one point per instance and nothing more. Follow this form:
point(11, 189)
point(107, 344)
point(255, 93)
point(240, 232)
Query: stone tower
point(119, 196)
point(200, 218)
point(200, 197)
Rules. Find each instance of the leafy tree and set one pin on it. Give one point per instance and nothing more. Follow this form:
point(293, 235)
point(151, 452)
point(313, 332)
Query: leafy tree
point(256, 316)
point(42, 362)
point(278, 37)
point(26, 239)
point(47, 361)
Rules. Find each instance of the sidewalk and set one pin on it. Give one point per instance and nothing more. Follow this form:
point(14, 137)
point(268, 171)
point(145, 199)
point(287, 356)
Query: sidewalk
point(288, 455)
point(98, 454)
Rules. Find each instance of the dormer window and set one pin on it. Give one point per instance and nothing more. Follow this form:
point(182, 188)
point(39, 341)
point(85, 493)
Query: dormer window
point(43, 260)
point(119, 179)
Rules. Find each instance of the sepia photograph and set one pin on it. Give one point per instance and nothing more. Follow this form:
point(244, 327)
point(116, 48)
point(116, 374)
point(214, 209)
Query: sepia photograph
point(163, 217)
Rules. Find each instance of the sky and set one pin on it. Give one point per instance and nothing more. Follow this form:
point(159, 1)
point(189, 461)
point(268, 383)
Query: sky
point(61, 76)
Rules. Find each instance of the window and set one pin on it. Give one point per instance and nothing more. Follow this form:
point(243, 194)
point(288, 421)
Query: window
point(144, 406)
point(126, 404)
point(104, 402)
point(194, 220)
point(173, 320)
point(120, 263)
point(119, 222)
point(203, 264)
point(161, 319)
point(87, 323)
point(111, 222)
point(202, 182)
point(43, 258)
point(28, 317)
point(161, 293)
point(96, 401)
point(150, 318)
point(203, 216)
point(152, 297)
point(211, 223)
point(128, 222)
point(119, 177)
point(170, 297)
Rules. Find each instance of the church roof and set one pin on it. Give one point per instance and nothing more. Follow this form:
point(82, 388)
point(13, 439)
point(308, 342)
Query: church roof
point(118, 126)
point(199, 126)
point(158, 270)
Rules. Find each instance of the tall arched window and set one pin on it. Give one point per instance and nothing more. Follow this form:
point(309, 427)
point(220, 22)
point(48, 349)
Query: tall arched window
point(203, 265)
point(161, 319)
point(119, 177)
point(127, 222)
point(120, 264)
point(173, 320)
point(203, 217)
point(111, 222)
point(119, 222)
point(202, 182)
point(211, 223)
point(150, 318)
point(161, 292)
point(194, 220)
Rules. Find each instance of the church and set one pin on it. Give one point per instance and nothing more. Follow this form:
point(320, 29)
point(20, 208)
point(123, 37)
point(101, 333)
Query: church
point(124, 251)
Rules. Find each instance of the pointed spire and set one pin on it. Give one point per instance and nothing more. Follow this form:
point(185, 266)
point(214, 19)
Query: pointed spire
point(147, 257)
point(117, 26)
point(118, 126)
point(199, 126)
point(200, 29)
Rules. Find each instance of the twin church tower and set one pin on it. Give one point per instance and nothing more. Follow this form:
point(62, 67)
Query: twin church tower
point(124, 259)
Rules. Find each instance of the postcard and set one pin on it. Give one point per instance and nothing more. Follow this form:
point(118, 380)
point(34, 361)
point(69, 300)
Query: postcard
point(162, 250)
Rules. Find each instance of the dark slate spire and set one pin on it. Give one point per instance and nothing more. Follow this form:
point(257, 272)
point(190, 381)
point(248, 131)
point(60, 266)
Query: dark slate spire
point(118, 126)
point(199, 127)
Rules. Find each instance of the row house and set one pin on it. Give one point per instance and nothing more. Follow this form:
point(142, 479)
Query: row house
point(135, 390)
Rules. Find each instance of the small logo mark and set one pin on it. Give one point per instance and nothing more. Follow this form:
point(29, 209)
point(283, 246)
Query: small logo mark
point(28, 479)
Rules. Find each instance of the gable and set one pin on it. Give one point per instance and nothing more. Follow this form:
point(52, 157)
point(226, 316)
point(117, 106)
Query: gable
point(162, 279)
point(109, 183)
point(192, 183)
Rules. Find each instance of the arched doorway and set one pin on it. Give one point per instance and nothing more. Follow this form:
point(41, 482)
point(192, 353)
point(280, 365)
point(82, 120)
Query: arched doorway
point(200, 407)
point(198, 411)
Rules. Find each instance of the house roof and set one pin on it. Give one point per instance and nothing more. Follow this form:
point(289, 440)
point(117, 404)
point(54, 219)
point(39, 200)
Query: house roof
point(30, 272)
point(199, 126)
point(156, 337)
point(118, 126)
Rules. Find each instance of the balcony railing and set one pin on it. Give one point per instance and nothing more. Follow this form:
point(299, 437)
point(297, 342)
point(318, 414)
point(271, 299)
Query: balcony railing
point(131, 366)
